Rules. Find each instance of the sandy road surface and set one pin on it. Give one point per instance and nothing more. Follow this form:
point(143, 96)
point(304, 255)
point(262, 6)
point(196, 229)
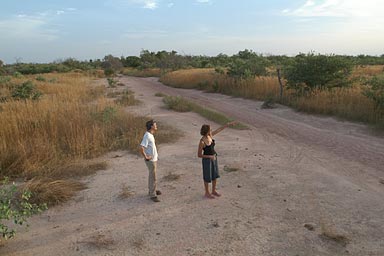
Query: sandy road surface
point(305, 186)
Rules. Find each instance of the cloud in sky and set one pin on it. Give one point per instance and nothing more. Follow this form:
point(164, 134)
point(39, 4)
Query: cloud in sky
point(36, 26)
point(147, 4)
point(338, 8)
point(195, 26)
point(27, 26)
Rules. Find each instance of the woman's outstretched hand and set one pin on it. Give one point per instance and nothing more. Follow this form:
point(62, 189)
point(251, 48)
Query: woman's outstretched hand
point(231, 123)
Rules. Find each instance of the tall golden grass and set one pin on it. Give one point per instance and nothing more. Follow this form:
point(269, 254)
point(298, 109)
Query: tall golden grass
point(149, 72)
point(73, 120)
point(347, 103)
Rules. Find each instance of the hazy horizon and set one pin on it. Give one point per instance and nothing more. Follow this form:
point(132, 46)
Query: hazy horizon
point(42, 31)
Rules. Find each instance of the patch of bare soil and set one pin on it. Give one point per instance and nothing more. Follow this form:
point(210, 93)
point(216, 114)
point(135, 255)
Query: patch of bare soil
point(292, 184)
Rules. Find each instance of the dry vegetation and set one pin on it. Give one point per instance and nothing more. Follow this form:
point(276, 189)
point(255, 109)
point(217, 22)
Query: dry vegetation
point(347, 103)
point(51, 137)
point(149, 72)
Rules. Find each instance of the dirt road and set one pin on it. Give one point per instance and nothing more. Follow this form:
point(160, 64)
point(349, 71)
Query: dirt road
point(302, 185)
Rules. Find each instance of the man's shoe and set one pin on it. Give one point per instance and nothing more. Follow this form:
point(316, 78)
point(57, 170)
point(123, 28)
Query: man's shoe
point(158, 192)
point(155, 199)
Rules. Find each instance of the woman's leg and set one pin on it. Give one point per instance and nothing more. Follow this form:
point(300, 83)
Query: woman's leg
point(214, 192)
point(207, 194)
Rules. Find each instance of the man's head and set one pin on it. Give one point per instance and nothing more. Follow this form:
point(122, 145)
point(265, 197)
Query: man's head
point(151, 125)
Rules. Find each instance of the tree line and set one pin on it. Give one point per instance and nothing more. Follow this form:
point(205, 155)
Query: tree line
point(303, 72)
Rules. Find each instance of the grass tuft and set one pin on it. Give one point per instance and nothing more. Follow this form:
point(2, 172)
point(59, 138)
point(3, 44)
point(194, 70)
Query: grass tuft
point(51, 192)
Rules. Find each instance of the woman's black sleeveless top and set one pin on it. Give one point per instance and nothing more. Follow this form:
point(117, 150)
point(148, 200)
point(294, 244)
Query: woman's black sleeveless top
point(210, 150)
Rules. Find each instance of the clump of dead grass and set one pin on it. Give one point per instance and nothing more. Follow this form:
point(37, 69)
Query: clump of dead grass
point(51, 192)
point(231, 168)
point(171, 177)
point(330, 234)
point(80, 169)
point(125, 192)
point(99, 241)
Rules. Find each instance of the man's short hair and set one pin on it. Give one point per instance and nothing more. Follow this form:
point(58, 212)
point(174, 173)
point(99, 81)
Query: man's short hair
point(149, 124)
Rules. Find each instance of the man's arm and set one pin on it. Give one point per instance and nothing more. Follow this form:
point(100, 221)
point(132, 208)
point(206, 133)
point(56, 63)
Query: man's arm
point(142, 152)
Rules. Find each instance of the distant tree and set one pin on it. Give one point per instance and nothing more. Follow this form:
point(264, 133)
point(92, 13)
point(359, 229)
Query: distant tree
point(2, 70)
point(131, 61)
point(111, 65)
point(247, 64)
point(309, 71)
point(148, 59)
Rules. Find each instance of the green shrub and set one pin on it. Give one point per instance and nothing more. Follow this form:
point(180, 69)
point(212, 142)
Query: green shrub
point(26, 91)
point(375, 91)
point(177, 103)
point(40, 78)
point(310, 71)
point(107, 115)
point(111, 82)
point(15, 210)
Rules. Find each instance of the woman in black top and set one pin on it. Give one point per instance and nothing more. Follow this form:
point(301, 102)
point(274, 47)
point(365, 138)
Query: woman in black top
point(207, 152)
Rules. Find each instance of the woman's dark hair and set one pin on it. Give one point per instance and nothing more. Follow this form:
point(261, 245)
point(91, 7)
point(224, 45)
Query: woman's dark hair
point(149, 124)
point(205, 129)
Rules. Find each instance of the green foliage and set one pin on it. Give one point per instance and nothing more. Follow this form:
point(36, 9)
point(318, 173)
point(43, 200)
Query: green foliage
point(5, 80)
point(111, 82)
point(131, 61)
point(177, 103)
point(26, 91)
point(106, 116)
point(310, 71)
point(40, 78)
point(17, 74)
point(15, 210)
point(127, 99)
point(111, 65)
point(247, 64)
point(375, 91)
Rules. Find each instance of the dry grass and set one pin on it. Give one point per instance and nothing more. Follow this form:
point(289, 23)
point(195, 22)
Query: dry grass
point(72, 120)
point(55, 136)
point(346, 103)
point(76, 170)
point(127, 98)
point(171, 177)
point(366, 71)
point(180, 104)
point(231, 168)
point(150, 72)
point(52, 192)
point(138, 242)
point(330, 235)
point(99, 241)
point(211, 81)
point(125, 192)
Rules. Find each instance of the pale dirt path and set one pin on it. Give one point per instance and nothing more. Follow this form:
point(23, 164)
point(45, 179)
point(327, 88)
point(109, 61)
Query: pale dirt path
point(294, 170)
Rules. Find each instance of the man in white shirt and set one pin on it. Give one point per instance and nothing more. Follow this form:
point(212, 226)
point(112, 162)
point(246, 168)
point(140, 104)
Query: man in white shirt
point(149, 152)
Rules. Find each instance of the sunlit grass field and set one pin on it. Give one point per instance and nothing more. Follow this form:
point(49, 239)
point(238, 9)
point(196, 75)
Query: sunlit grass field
point(346, 103)
point(56, 136)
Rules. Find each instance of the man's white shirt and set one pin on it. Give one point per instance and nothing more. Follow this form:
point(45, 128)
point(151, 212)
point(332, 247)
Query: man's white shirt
point(149, 145)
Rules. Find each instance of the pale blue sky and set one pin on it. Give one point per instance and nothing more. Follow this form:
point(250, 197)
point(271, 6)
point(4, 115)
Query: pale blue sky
point(50, 30)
